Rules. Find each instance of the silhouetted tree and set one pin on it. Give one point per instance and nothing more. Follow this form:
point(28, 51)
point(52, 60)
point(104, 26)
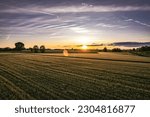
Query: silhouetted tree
point(144, 48)
point(31, 49)
point(35, 49)
point(116, 50)
point(105, 49)
point(42, 48)
point(19, 46)
point(133, 49)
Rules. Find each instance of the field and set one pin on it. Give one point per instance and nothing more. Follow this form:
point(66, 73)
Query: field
point(78, 76)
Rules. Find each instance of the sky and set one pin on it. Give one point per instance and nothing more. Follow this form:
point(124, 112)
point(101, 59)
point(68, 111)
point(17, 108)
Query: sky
point(63, 23)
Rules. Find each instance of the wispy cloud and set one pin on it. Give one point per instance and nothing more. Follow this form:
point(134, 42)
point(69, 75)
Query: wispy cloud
point(74, 9)
point(96, 9)
point(50, 21)
point(138, 22)
point(110, 25)
point(79, 30)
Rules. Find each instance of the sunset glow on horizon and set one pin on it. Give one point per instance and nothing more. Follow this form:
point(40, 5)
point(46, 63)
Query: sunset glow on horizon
point(84, 47)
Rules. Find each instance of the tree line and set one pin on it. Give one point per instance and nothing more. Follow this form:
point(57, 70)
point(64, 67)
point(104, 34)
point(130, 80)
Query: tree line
point(19, 46)
point(140, 49)
point(113, 50)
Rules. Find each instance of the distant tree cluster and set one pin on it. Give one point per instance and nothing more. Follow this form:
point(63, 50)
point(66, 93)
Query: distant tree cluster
point(144, 48)
point(20, 46)
point(113, 50)
point(36, 49)
point(142, 51)
point(6, 49)
point(116, 50)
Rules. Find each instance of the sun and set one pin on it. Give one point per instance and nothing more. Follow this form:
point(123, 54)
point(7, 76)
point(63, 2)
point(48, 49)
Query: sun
point(84, 47)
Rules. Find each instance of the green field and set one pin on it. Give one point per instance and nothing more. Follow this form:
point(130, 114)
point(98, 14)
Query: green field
point(79, 76)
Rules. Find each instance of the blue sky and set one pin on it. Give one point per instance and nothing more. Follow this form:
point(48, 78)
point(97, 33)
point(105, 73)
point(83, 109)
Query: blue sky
point(57, 23)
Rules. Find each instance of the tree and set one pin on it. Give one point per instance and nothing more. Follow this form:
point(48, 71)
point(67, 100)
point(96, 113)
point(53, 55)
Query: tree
point(42, 48)
point(133, 49)
point(35, 49)
point(116, 50)
point(105, 49)
point(19, 46)
point(31, 49)
point(144, 48)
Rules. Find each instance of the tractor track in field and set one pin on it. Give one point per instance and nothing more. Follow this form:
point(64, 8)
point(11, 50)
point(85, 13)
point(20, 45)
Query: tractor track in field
point(67, 72)
point(25, 83)
point(101, 70)
point(90, 69)
point(89, 58)
point(82, 62)
point(88, 91)
point(21, 94)
point(32, 78)
point(94, 75)
point(56, 83)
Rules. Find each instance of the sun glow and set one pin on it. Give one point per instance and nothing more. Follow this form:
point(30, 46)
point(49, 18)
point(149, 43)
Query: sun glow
point(84, 47)
point(84, 40)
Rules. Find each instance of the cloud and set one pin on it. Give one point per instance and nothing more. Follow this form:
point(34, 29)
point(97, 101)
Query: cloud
point(79, 30)
point(124, 44)
point(49, 21)
point(131, 44)
point(73, 9)
point(138, 22)
point(81, 9)
point(110, 25)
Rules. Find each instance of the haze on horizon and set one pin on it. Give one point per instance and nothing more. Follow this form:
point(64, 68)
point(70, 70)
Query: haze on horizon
point(55, 23)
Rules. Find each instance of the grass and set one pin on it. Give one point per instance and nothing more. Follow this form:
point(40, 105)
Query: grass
point(79, 76)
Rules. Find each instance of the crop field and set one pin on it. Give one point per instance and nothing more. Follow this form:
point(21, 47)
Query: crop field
point(78, 76)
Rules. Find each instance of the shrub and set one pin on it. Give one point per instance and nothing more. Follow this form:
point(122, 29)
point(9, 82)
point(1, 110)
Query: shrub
point(116, 50)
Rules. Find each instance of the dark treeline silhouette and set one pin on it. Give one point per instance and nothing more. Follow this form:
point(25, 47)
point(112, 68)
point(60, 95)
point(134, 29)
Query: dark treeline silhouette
point(6, 49)
point(142, 51)
point(111, 50)
point(20, 47)
point(116, 50)
point(144, 48)
point(36, 49)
